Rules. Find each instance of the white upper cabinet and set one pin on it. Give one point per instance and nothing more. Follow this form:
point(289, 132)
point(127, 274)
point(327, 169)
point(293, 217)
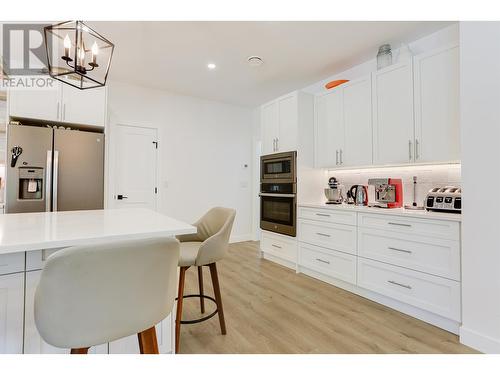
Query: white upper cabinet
point(393, 125)
point(61, 103)
point(286, 124)
point(343, 126)
point(329, 129)
point(357, 115)
point(36, 103)
point(270, 127)
point(86, 107)
point(437, 92)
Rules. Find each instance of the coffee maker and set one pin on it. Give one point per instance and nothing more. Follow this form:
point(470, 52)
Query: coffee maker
point(388, 192)
point(335, 192)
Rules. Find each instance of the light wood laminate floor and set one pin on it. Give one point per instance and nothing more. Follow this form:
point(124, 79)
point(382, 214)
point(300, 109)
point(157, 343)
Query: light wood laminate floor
point(271, 309)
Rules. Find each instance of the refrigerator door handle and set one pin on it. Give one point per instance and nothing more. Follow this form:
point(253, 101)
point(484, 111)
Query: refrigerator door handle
point(48, 181)
point(55, 180)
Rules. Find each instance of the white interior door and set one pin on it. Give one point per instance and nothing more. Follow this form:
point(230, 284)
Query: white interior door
point(135, 167)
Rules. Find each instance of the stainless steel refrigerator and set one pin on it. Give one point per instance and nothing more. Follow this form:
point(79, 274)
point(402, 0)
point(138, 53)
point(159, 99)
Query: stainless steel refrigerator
point(53, 169)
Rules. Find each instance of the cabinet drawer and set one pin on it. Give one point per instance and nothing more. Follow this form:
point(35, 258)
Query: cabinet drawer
point(435, 294)
point(11, 263)
point(36, 259)
point(432, 255)
point(332, 236)
point(327, 215)
point(279, 246)
point(328, 262)
point(409, 225)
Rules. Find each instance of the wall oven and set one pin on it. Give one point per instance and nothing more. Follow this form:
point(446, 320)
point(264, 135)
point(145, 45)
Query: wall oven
point(278, 203)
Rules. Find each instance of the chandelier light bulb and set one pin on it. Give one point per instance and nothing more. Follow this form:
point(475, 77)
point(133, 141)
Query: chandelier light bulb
point(67, 42)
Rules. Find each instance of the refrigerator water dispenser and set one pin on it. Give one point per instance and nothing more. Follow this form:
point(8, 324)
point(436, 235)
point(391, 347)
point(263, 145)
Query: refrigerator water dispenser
point(30, 183)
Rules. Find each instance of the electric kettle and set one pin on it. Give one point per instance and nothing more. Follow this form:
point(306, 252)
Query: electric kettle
point(360, 195)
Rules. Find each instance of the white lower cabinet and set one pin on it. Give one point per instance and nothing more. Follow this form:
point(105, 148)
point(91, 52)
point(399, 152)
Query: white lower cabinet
point(431, 255)
point(435, 294)
point(130, 344)
point(33, 343)
point(11, 313)
point(278, 246)
point(328, 262)
point(411, 264)
point(338, 237)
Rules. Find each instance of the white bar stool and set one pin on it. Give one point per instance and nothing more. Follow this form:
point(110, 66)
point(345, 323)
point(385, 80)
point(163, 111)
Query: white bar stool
point(204, 248)
point(91, 295)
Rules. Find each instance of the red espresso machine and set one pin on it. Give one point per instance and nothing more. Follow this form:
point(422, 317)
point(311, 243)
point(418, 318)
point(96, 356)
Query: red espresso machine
point(388, 192)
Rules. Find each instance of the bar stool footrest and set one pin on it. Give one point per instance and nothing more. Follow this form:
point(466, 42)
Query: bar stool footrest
point(211, 315)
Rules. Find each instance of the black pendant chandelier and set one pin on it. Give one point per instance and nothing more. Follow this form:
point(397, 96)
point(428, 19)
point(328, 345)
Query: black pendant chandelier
point(77, 55)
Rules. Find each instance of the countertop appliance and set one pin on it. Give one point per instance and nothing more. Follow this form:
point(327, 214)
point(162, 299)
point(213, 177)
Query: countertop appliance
point(359, 194)
point(334, 193)
point(388, 192)
point(278, 190)
point(447, 199)
point(57, 170)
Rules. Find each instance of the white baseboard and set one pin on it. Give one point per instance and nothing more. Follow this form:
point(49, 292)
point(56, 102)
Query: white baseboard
point(241, 238)
point(478, 341)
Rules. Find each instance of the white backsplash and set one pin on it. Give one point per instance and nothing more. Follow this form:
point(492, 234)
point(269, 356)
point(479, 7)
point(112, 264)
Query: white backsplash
point(428, 176)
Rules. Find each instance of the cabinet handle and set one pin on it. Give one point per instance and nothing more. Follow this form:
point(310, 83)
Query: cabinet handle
point(409, 149)
point(277, 144)
point(58, 114)
point(400, 250)
point(336, 157)
point(341, 162)
point(323, 234)
point(325, 215)
point(399, 284)
point(276, 246)
point(399, 224)
point(417, 153)
point(322, 261)
point(64, 112)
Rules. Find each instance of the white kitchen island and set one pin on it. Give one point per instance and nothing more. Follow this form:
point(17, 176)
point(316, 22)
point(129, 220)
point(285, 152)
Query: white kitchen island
point(26, 240)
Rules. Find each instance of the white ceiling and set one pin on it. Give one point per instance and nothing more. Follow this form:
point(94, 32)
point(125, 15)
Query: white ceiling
point(173, 56)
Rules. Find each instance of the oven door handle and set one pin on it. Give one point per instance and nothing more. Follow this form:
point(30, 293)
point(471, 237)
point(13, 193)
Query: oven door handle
point(277, 195)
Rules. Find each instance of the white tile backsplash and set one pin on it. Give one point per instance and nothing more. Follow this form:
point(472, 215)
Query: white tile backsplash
point(428, 176)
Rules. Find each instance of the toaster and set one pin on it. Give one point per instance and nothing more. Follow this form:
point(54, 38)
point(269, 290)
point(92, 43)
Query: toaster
point(446, 199)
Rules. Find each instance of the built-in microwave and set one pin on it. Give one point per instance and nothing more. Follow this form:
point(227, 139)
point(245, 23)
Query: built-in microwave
point(278, 203)
point(278, 168)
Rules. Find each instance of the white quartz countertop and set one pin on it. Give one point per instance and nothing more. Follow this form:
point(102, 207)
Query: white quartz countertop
point(49, 230)
point(387, 211)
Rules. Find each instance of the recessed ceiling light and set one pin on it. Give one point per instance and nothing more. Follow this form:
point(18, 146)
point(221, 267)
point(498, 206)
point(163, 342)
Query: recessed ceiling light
point(211, 66)
point(255, 61)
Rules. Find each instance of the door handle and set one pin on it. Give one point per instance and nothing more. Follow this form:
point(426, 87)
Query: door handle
point(48, 181)
point(55, 180)
point(120, 197)
point(399, 284)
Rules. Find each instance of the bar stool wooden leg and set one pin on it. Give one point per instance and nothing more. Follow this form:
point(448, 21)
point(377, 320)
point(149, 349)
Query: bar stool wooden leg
point(80, 351)
point(218, 299)
point(148, 344)
point(178, 316)
point(200, 284)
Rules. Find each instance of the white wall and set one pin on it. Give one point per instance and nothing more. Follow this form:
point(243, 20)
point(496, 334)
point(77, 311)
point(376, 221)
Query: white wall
point(204, 146)
point(480, 124)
